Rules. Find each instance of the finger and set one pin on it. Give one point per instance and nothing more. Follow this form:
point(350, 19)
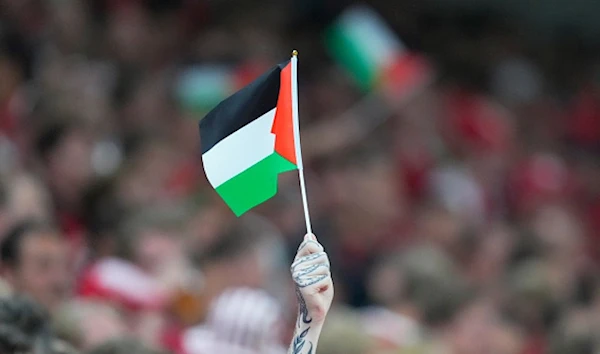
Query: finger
point(315, 269)
point(311, 259)
point(309, 237)
point(316, 280)
point(308, 247)
point(308, 280)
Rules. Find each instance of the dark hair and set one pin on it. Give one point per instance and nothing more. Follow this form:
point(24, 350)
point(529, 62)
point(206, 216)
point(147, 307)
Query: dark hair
point(22, 321)
point(24, 326)
point(18, 50)
point(234, 242)
point(52, 134)
point(103, 212)
point(10, 247)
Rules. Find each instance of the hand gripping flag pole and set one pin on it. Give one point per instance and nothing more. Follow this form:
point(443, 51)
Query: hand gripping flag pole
point(296, 121)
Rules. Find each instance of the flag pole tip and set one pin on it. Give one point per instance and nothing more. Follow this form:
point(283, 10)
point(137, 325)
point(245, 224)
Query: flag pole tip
point(294, 53)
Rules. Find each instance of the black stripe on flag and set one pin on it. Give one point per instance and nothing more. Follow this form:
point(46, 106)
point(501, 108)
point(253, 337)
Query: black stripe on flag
point(244, 106)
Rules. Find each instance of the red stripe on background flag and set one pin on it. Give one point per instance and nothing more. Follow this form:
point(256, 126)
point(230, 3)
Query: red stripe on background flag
point(283, 125)
point(406, 74)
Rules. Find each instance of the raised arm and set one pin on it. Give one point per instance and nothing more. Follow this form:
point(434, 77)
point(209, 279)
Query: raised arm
point(314, 289)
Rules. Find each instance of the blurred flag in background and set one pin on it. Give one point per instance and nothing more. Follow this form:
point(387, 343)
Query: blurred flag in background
point(361, 42)
point(200, 88)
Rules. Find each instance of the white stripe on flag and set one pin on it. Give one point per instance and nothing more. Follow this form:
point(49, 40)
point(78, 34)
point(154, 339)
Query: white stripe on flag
point(241, 150)
point(376, 40)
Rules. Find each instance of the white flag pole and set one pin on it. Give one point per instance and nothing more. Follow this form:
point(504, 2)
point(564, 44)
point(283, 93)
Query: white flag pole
point(298, 149)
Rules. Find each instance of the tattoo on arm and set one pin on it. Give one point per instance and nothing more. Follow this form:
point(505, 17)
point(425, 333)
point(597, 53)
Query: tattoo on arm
point(309, 280)
point(299, 342)
point(303, 318)
point(307, 271)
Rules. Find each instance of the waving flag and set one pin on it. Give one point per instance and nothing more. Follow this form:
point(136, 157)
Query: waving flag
point(250, 138)
point(371, 52)
point(201, 87)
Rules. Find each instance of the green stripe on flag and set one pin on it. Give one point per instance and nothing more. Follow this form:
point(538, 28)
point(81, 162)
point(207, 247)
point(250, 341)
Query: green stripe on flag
point(255, 185)
point(201, 88)
point(351, 54)
point(363, 44)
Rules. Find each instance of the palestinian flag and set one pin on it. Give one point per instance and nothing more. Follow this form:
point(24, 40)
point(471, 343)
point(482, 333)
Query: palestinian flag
point(373, 55)
point(249, 138)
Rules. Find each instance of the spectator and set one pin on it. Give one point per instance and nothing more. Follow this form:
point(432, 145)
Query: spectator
point(28, 199)
point(455, 224)
point(65, 152)
point(239, 321)
point(87, 324)
point(344, 334)
point(24, 328)
point(234, 259)
point(35, 263)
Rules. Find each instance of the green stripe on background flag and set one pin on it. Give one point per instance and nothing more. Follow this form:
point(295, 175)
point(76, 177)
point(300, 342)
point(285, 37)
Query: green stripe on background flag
point(255, 185)
point(363, 44)
point(201, 88)
point(351, 56)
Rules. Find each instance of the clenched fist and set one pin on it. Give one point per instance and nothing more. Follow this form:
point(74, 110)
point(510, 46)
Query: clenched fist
point(314, 288)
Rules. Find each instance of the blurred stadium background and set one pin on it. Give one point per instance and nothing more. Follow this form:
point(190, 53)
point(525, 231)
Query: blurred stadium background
point(458, 195)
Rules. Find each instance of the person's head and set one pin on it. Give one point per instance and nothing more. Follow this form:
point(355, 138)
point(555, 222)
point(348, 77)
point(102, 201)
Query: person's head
point(15, 62)
point(24, 329)
point(86, 324)
point(507, 337)
point(433, 285)
point(491, 255)
point(531, 299)
point(151, 238)
point(21, 322)
point(144, 179)
point(386, 282)
point(35, 262)
point(367, 172)
point(560, 234)
point(234, 257)
point(344, 334)
point(28, 197)
point(471, 331)
point(256, 326)
point(576, 333)
point(65, 151)
point(103, 212)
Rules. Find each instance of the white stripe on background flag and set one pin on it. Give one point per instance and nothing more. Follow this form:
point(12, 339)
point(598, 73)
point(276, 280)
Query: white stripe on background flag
point(240, 150)
point(377, 41)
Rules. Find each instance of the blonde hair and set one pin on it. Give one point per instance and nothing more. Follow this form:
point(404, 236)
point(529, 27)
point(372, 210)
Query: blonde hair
point(343, 333)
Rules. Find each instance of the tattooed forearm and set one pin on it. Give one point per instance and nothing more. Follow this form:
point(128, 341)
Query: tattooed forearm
point(314, 290)
point(300, 341)
point(303, 317)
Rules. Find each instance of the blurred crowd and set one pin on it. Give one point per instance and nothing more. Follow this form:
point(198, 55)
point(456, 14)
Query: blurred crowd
point(464, 220)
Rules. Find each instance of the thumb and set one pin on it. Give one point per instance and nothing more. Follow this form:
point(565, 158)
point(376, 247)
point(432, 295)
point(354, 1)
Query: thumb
point(310, 237)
